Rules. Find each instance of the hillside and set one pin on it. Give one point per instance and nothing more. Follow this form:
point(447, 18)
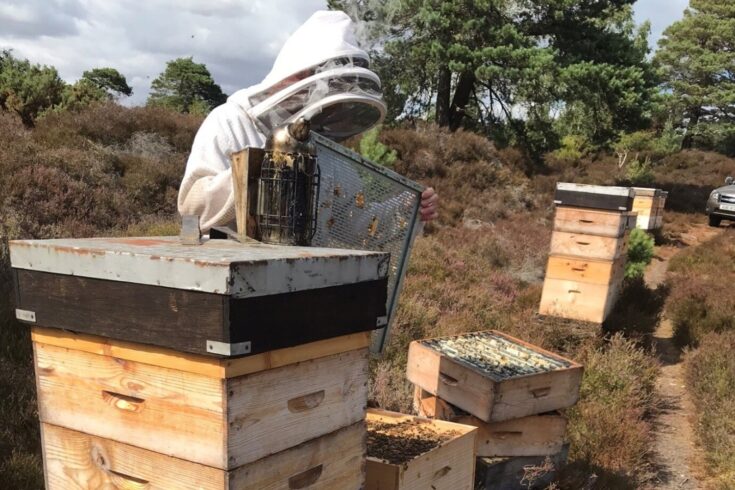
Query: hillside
point(112, 170)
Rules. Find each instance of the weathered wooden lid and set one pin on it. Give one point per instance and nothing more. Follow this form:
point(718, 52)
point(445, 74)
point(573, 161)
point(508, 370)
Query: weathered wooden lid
point(644, 191)
point(217, 266)
point(595, 189)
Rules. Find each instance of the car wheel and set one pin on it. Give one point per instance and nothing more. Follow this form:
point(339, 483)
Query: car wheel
point(714, 220)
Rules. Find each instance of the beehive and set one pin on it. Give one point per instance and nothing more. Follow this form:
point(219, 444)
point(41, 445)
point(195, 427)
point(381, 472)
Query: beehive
point(448, 462)
point(588, 251)
point(493, 376)
point(229, 365)
point(649, 205)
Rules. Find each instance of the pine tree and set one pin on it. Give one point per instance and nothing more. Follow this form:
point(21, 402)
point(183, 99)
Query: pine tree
point(505, 66)
point(186, 86)
point(697, 61)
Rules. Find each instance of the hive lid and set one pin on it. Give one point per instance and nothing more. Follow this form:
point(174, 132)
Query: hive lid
point(644, 191)
point(595, 189)
point(217, 266)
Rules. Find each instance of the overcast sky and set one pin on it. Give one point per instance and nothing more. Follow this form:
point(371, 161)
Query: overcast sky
point(236, 39)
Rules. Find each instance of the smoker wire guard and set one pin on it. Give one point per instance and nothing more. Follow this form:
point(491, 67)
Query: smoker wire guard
point(330, 156)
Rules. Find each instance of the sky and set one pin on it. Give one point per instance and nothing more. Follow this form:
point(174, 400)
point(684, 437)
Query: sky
point(237, 39)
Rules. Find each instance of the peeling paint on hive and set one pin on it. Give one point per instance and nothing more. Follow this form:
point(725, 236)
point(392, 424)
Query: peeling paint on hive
point(217, 266)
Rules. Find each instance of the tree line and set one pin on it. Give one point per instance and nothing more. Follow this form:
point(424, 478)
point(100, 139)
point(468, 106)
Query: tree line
point(564, 76)
point(32, 90)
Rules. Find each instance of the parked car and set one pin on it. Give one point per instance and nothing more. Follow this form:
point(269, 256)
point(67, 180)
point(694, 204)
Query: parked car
point(721, 203)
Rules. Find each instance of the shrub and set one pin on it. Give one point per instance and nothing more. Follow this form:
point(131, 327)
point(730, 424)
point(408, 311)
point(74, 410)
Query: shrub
point(701, 299)
point(637, 311)
point(640, 253)
point(375, 151)
point(610, 426)
point(640, 172)
point(710, 376)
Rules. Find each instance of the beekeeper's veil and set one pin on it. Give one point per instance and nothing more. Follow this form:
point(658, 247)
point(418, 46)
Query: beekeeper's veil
point(322, 75)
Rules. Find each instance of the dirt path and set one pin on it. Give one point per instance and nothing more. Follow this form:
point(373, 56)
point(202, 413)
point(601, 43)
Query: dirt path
point(675, 447)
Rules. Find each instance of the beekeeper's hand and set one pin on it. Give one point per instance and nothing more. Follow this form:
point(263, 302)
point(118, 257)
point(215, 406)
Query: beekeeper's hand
point(429, 205)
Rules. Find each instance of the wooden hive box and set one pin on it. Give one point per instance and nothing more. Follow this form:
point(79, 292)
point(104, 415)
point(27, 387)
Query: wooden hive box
point(519, 473)
point(220, 413)
point(221, 298)
point(81, 461)
point(534, 435)
point(649, 204)
point(591, 221)
point(494, 376)
point(448, 465)
point(594, 196)
point(593, 271)
point(588, 246)
point(583, 290)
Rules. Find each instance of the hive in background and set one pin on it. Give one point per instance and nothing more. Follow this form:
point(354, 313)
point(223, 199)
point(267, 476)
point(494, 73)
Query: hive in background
point(588, 251)
point(218, 366)
point(649, 205)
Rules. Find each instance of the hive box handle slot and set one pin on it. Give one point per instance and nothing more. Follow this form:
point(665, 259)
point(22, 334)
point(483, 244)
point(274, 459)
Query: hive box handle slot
point(541, 392)
point(123, 402)
point(442, 472)
point(575, 291)
point(305, 479)
point(448, 380)
point(505, 434)
point(306, 402)
point(586, 221)
point(582, 243)
point(579, 269)
point(128, 481)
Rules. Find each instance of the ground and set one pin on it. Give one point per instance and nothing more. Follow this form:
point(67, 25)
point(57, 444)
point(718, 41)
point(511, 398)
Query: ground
point(675, 452)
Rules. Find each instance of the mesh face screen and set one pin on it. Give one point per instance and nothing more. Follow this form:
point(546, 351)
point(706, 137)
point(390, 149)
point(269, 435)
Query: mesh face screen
point(366, 207)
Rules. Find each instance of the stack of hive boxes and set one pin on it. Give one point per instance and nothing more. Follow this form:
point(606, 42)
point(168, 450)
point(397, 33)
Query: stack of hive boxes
point(588, 252)
point(509, 389)
point(219, 366)
point(649, 206)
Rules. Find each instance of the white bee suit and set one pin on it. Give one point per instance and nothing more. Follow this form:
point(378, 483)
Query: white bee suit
point(320, 73)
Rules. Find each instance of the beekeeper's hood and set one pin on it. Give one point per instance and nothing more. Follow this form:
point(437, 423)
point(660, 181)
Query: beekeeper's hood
point(322, 75)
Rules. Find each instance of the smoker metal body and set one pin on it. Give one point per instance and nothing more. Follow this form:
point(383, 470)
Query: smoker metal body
point(288, 187)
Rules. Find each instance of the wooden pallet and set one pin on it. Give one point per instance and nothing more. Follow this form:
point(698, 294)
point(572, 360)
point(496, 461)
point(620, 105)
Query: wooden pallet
point(487, 397)
point(219, 422)
point(449, 466)
point(535, 435)
point(73, 459)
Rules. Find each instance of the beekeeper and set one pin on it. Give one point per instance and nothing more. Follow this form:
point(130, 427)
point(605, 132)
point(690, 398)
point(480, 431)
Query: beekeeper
point(321, 74)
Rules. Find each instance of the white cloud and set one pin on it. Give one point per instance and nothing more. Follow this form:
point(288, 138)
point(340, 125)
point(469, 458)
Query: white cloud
point(237, 39)
point(661, 14)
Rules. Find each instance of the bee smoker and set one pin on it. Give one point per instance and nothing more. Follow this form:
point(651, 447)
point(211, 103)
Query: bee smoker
point(288, 187)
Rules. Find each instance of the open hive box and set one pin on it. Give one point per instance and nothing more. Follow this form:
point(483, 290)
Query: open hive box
point(534, 435)
point(414, 453)
point(494, 376)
